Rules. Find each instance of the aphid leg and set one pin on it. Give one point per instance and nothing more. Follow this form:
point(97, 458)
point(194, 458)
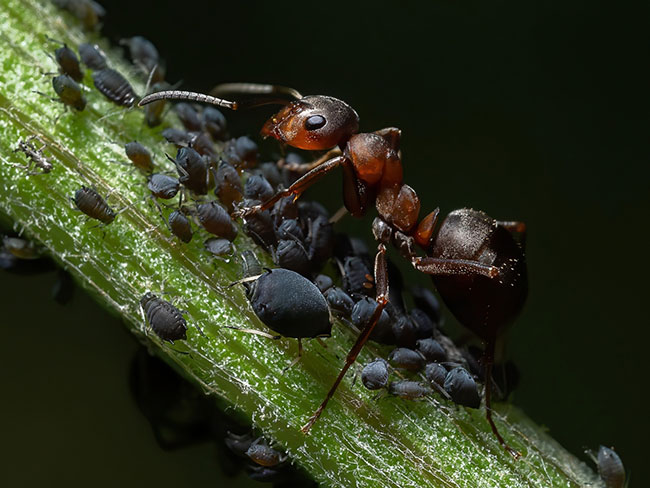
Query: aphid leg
point(381, 279)
point(296, 189)
point(488, 360)
point(296, 359)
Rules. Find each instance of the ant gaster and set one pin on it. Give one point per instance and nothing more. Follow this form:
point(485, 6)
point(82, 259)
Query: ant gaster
point(476, 263)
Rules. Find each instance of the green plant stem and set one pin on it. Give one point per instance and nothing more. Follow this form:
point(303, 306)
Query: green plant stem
point(359, 442)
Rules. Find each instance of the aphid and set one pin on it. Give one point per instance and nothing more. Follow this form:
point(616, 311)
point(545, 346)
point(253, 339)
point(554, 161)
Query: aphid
point(435, 374)
point(163, 186)
point(610, 468)
point(404, 358)
point(180, 226)
point(145, 55)
point(35, 156)
point(291, 254)
point(214, 122)
point(69, 92)
point(241, 152)
point(426, 302)
point(264, 455)
point(177, 137)
point(228, 185)
point(423, 323)
point(202, 143)
point(93, 205)
point(258, 188)
point(285, 208)
point(192, 170)
point(431, 350)
point(139, 156)
point(21, 248)
point(403, 328)
point(364, 312)
point(323, 282)
point(462, 388)
point(68, 63)
point(339, 301)
point(357, 277)
point(164, 318)
point(320, 238)
point(216, 220)
point(188, 116)
point(290, 230)
point(20, 256)
point(290, 304)
point(87, 11)
point(218, 247)
point(92, 56)
point(375, 374)
point(153, 112)
point(476, 263)
point(260, 228)
point(408, 390)
point(115, 87)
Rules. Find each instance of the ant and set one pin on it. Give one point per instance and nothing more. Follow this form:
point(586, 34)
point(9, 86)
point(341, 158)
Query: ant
point(477, 263)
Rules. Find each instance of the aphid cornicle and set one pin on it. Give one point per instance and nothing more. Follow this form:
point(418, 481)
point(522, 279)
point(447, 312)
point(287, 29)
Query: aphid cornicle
point(93, 205)
point(164, 318)
point(476, 262)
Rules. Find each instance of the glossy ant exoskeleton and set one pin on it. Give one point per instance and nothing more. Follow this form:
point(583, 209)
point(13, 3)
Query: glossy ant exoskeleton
point(476, 262)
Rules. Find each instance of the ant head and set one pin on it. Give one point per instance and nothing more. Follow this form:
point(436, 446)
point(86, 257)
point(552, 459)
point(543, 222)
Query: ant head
point(313, 123)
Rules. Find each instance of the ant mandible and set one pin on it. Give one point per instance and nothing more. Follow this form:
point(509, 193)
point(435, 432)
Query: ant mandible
point(477, 263)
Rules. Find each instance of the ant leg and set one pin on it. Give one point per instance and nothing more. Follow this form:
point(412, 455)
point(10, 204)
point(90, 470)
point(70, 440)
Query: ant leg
point(441, 266)
point(488, 360)
point(516, 228)
point(303, 168)
point(299, 186)
point(381, 279)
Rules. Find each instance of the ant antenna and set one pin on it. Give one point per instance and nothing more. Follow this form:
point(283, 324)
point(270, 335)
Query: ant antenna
point(255, 89)
point(188, 95)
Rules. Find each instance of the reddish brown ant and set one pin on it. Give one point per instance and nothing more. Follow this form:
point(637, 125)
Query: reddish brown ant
point(476, 263)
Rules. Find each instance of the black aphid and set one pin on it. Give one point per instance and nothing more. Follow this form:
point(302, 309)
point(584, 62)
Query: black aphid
point(339, 301)
point(290, 304)
point(610, 468)
point(188, 116)
point(68, 63)
point(375, 374)
point(290, 230)
point(404, 358)
point(92, 56)
point(69, 92)
point(164, 318)
point(462, 388)
point(214, 122)
point(258, 188)
point(177, 137)
point(228, 185)
point(436, 374)
point(291, 254)
point(216, 220)
point(323, 282)
point(93, 205)
point(180, 226)
point(241, 152)
point(431, 349)
point(192, 170)
point(423, 323)
point(163, 186)
point(115, 87)
point(139, 156)
point(357, 276)
point(361, 314)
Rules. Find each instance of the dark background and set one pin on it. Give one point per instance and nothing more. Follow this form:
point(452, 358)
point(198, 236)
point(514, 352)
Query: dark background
point(528, 110)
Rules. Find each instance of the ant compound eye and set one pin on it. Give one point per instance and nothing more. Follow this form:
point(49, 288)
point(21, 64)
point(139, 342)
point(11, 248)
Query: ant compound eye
point(315, 122)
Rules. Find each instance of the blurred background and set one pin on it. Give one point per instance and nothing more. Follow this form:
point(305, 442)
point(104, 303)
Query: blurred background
point(534, 111)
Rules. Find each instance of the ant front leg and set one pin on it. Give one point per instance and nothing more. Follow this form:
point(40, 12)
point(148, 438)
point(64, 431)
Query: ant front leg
point(381, 283)
point(298, 187)
point(302, 168)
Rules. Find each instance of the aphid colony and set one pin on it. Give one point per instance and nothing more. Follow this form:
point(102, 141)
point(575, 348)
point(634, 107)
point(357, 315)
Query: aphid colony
point(476, 262)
